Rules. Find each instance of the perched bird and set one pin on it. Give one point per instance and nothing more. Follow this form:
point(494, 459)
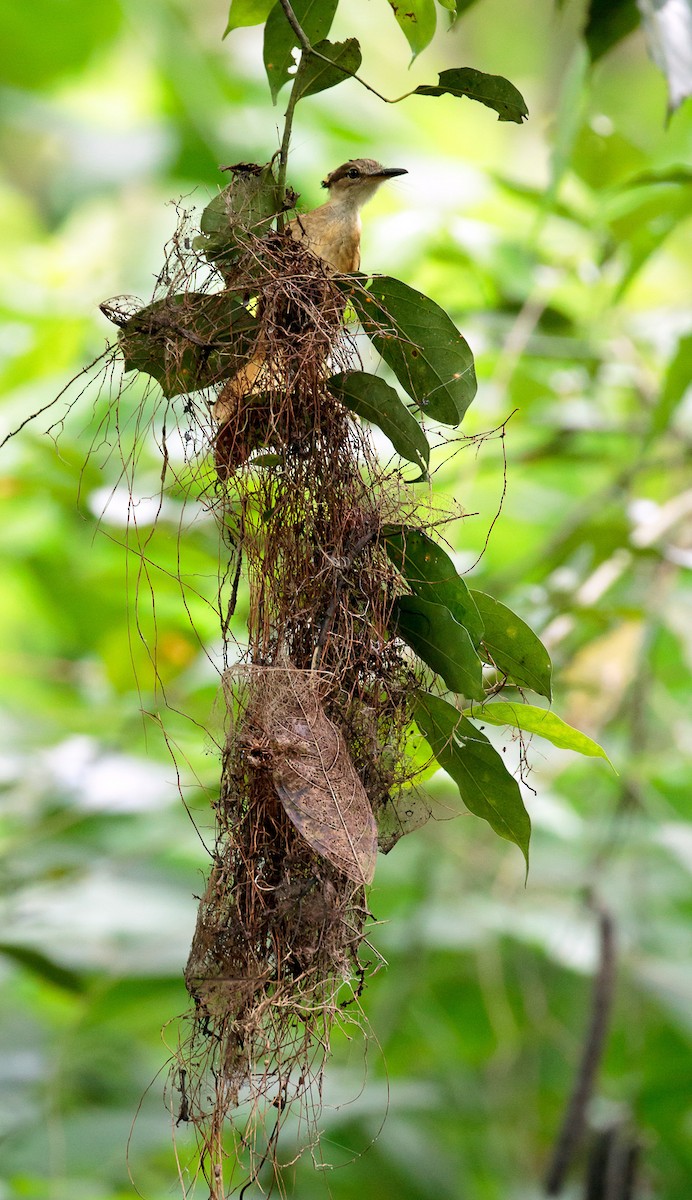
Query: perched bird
point(330, 232)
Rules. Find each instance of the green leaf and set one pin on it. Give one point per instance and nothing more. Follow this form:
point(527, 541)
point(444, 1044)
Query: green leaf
point(569, 121)
point(267, 460)
point(485, 785)
point(43, 967)
point(249, 202)
point(248, 12)
point(417, 20)
point(420, 343)
point(314, 17)
point(456, 8)
point(494, 91)
point(678, 380)
point(453, 9)
point(189, 341)
point(678, 173)
point(540, 721)
point(314, 75)
point(374, 400)
point(441, 642)
point(431, 574)
point(607, 23)
point(640, 219)
point(513, 647)
point(401, 814)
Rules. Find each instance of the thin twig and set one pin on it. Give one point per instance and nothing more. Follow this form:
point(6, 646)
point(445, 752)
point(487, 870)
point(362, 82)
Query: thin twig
point(283, 153)
point(295, 25)
point(309, 49)
point(44, 408)
point(574, 1119)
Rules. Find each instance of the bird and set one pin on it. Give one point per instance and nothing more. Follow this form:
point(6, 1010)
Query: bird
point(332, 233)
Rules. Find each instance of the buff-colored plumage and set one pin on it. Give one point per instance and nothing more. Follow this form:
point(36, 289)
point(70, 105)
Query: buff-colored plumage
point(332, 233)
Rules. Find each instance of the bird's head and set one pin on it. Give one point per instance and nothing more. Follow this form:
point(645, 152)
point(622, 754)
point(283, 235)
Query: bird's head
point(357, 180)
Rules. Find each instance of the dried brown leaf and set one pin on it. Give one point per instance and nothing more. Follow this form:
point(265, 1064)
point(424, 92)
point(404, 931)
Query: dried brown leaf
point(314, 776)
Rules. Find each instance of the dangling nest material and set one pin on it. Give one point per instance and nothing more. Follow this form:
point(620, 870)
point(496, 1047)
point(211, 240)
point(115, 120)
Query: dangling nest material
point(318, 713)
point(280, 924)
point(278, 398)
point(275, 955)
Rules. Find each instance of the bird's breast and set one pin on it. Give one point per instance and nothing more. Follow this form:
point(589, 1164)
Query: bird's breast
point(331, 235)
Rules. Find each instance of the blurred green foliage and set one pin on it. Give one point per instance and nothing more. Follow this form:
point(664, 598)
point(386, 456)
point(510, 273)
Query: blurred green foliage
point(563, 249)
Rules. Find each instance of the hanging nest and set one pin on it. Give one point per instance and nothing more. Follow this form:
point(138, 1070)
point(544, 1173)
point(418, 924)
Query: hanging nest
point(316, 772)
point(318, 709)
point(246, 332)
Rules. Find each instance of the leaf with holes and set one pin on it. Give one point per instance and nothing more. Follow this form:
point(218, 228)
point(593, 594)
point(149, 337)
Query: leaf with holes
point(513, 647)
point(417, 20)
point(485, 785)
point(420, 343)
point(494, 91)
point(431, 574)
point(314, 775)
point(400, 814)
point(189, 341)
point(314, 75)
point(441, 642)
point(314, 17)
point(374, 400)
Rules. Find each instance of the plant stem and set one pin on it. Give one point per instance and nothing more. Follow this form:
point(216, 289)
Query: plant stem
point(283, 153)
point(308, 49)
point(295, 24)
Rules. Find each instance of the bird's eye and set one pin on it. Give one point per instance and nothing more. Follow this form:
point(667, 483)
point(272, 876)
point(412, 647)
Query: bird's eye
point(354, 173)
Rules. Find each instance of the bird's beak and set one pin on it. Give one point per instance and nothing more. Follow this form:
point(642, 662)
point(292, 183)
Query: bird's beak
point(389, 172)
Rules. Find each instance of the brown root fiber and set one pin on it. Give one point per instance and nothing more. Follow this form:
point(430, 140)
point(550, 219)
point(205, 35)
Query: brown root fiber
point(318, 706)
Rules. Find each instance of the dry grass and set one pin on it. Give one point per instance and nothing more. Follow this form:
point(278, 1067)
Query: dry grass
point(318, 713)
